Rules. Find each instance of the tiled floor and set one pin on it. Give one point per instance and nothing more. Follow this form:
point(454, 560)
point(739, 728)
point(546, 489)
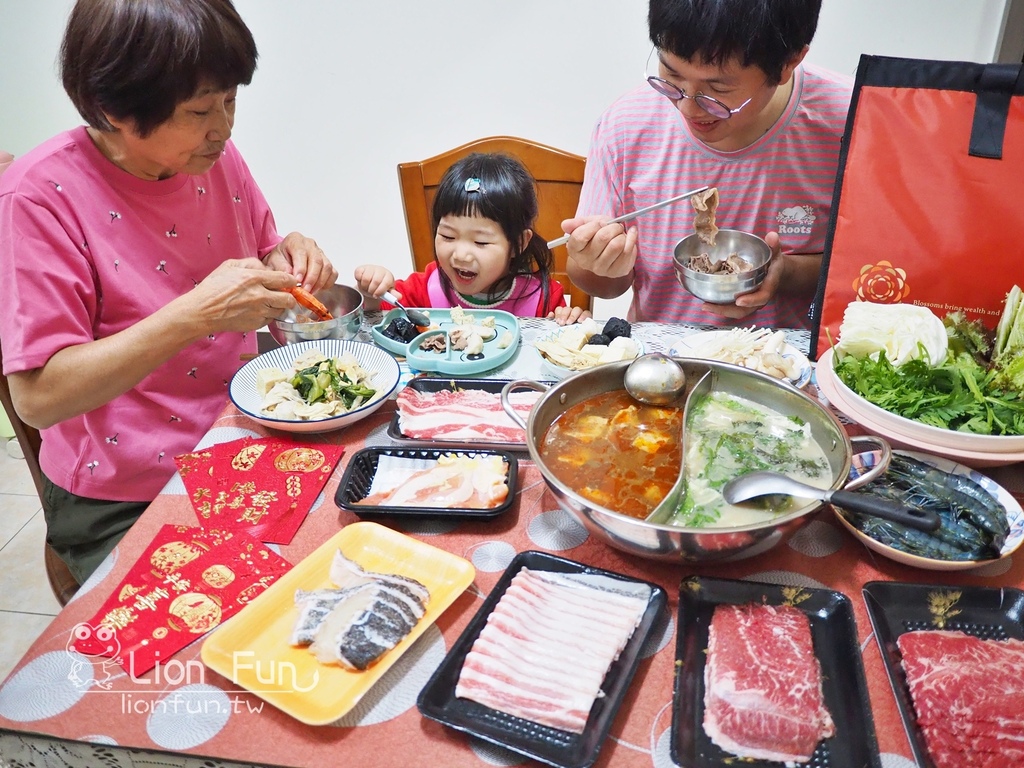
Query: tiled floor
point(26, 603)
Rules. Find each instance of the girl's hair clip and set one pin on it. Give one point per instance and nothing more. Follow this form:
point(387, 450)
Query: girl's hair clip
point(473, 185)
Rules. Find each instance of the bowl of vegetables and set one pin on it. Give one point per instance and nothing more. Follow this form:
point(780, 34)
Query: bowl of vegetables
point(572, 348)
point(981, 521)
point(315, 386)
point(944, 384)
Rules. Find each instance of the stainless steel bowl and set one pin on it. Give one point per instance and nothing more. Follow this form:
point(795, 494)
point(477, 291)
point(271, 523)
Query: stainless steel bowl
point(722, 288)
point(342, 301)
point(673, 543)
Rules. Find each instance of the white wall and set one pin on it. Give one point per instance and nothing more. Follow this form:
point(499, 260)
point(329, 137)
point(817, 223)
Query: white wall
point(347, 89)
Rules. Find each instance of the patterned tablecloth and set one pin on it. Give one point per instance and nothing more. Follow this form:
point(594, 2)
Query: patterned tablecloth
point(48, 719)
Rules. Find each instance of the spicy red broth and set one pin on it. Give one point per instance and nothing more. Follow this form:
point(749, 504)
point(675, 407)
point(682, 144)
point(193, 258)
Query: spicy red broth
point(616, 452)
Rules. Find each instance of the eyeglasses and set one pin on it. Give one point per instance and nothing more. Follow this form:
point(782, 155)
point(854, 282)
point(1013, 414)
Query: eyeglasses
point(712, 106)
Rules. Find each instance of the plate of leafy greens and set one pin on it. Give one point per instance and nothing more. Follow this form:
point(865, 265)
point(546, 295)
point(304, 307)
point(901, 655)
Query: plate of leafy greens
point(967, 395)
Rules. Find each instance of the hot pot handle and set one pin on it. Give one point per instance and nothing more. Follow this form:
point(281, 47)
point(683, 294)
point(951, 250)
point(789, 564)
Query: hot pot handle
point(536, 386)
point(880, 466)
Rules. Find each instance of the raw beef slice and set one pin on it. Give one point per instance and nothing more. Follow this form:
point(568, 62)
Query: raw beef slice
point(762, 684)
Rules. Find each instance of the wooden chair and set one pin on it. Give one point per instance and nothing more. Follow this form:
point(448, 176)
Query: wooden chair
point(62, 582)
point(559, 177)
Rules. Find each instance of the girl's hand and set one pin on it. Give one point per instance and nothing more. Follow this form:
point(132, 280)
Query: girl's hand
point(372, 280)
point(569, 315)
point(304, 259)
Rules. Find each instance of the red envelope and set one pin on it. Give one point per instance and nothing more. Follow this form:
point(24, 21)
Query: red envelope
point(186, 583)
point(264, 487)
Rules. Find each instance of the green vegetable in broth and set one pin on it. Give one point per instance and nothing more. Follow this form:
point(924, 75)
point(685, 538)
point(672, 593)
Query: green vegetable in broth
point(728, 436)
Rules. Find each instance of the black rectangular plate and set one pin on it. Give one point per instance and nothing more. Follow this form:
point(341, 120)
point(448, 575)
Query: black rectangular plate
point(438, 384)
point(549, 745)
point(895, 608)
point(355, 485)
point(834, 635)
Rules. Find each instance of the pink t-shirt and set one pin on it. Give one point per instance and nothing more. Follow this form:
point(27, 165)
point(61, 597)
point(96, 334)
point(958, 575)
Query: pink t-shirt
point(87, 250)
point(642, 152)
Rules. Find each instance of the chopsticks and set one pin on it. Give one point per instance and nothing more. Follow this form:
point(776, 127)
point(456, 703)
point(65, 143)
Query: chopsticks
point(627, 216)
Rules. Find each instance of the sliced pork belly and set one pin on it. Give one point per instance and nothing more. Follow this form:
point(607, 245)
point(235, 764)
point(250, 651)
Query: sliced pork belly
point(464, 414)
point(968, 694)
point(762, 684)
point(547, 646)
point(457, 481)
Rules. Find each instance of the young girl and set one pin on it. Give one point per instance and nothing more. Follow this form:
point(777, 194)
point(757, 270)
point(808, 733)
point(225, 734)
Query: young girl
point(487, 255)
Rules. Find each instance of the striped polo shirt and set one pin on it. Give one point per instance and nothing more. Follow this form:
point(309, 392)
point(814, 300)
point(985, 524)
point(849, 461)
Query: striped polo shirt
point(642, 151)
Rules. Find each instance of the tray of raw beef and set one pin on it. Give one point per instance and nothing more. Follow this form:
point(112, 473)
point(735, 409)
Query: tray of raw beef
point(771, 674)
point(955, 659)
point(435, 412)
point(544, 665)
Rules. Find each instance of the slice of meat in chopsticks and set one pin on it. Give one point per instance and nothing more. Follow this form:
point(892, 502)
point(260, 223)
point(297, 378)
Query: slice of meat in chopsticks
point(310, 302)
point(705, 204)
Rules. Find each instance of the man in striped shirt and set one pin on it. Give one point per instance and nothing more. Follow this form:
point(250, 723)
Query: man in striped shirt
point(728, 104)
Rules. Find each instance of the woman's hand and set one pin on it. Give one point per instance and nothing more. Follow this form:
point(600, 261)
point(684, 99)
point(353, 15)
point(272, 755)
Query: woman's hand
point(304, 260)
point(569, 315)
point(239, 295)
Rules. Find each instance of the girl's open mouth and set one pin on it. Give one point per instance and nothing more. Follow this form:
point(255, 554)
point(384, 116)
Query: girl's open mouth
point(465, 275)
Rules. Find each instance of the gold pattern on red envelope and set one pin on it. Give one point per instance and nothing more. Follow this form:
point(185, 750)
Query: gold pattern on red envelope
point(186, 583)
point(264, 486)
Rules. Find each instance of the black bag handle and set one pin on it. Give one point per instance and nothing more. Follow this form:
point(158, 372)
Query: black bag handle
point(998, 82)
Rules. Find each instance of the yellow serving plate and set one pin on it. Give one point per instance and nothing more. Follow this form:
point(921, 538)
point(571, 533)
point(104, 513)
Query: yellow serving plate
point(252, 648)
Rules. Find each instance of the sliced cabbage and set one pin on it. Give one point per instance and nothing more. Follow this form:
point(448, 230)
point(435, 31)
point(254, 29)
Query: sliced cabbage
point(903, 331)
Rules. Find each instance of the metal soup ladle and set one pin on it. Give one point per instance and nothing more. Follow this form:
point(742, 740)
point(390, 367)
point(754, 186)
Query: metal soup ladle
point(763, 483)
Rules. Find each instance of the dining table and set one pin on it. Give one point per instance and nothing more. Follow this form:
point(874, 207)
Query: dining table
point(50, 717)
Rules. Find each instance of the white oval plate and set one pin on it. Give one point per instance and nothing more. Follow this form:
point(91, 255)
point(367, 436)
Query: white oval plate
point(689, 346)
point(1014, 514)
point(921, 435)
point(371, 358)
point(559, 372)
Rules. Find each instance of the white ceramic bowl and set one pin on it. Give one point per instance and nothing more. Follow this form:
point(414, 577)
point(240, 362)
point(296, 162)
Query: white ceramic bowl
point(690, 346)
point(383, 367)
point(915, 430)
point(1014, 515)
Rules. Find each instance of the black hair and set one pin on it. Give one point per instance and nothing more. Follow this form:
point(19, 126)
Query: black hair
point(504, 192)
point(138, 59)
point(763, 33)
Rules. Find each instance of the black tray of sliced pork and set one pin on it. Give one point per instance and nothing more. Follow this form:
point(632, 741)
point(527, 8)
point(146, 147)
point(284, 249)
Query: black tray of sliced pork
point(770, 674)
point(955, 659)
point(544, 665)
point(421, 482)
point(436, 412)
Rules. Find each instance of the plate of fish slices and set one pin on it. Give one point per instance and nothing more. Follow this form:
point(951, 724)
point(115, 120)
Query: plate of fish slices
point(555, 613)
point(417, 483)
point(313, 622)
point(794, 653)
point(981, 521)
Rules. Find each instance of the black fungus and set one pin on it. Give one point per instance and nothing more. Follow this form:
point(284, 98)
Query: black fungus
point(401, 329)
point(616, 327)
point(600, 339)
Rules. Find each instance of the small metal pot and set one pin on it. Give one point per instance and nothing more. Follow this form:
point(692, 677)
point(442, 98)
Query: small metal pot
point(722, 287)
point(342, 301)
point(674, 543)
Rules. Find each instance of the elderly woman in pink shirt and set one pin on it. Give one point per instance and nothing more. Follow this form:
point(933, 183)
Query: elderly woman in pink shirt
point(137, 258)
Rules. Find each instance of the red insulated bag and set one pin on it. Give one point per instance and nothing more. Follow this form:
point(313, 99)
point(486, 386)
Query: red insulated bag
point(929, 200)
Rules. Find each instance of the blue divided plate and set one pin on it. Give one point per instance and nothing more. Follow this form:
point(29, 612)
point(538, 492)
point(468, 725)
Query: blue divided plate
point(453, 362)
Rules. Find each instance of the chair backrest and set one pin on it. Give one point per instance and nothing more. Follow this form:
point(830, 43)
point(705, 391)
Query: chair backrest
point(62, 582)
point(559, 177)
